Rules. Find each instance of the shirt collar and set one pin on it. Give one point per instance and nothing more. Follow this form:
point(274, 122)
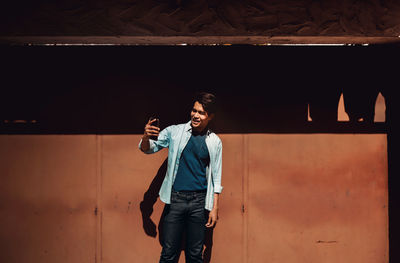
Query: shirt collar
point(189, 128)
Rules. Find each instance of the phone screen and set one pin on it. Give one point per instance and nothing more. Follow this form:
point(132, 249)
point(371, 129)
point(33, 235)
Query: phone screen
point(157, 123)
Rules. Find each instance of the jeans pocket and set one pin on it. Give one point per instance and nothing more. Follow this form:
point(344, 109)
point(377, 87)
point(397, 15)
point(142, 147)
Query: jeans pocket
point(201, 199)
point(173, 197)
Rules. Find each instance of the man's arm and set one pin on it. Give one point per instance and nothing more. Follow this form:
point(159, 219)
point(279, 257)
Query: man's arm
point(213, 215)
point(148, 145)
point(217, 169)
point(217, 173)
point(145, 145)
point(149, 130)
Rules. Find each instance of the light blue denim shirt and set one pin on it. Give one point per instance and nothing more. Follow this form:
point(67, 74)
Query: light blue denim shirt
point(175, 138)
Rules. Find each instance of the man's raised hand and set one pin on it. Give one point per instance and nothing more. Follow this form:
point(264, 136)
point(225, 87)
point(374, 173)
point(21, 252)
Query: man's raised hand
point(150, 130)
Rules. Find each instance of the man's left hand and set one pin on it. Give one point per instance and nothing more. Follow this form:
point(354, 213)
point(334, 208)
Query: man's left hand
point(212, 218)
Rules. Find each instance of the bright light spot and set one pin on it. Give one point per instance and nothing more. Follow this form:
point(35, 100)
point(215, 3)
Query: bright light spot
point(380, 109)
point(73, 44)
point(342, 115)
point(320, 44)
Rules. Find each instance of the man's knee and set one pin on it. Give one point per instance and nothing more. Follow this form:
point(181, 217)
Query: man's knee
point(169, 254)
point(194, 253)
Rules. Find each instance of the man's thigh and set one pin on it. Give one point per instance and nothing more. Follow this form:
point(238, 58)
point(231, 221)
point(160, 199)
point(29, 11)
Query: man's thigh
point(195, 224)
point(173, 224)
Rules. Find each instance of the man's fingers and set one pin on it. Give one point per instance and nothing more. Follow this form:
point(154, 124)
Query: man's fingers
point(152, 129)
point(213, 221)
point(148, 131)
point(153, 133)
point(208, 222)
point(151, 121)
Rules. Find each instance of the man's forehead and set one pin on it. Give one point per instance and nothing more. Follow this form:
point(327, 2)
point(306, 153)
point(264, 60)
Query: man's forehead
point(198, 106)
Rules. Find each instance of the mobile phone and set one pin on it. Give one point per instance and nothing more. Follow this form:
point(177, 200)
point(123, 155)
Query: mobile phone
point(157, 124)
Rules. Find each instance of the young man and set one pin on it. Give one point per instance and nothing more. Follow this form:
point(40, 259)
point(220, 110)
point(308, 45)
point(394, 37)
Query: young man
point(193, 180)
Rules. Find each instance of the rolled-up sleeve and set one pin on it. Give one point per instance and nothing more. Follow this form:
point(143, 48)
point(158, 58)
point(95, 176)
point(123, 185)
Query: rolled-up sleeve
point(159, 144)
point(217, 171)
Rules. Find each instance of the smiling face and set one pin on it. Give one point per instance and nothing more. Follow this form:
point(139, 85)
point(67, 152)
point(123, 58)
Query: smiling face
point(199, 117)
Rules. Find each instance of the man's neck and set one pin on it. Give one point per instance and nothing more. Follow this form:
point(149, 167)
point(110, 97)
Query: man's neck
point(199, 132)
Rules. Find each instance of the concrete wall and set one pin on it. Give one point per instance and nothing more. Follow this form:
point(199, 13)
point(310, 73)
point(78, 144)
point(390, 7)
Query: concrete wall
point(287, 198)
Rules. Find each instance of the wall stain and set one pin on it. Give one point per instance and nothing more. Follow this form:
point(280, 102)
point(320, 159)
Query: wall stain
point(330, 241)
point(129, 206)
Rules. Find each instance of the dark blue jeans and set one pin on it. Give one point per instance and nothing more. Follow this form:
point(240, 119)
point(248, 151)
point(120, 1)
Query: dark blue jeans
point(185, 214)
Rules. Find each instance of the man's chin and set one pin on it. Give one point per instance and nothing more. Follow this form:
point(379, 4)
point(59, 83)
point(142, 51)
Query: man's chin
point(196, 126)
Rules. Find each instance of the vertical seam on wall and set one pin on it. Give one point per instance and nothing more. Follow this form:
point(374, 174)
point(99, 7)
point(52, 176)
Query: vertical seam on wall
point(242, 208)
point(99, 185)
point(245, 198)
point(386, 162)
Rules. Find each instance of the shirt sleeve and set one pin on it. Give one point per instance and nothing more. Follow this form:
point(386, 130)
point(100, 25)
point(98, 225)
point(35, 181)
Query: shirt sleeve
point(159, 144)
point(217, 173)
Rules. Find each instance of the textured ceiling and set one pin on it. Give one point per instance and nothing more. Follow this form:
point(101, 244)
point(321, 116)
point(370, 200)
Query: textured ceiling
point(201, 18)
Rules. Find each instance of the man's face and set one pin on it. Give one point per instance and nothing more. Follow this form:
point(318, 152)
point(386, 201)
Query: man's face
point(199, 117)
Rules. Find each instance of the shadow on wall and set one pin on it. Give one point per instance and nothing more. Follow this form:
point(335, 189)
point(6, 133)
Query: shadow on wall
point(146, 207)
point(293, 86)
point(150, 198)
point(331, 105)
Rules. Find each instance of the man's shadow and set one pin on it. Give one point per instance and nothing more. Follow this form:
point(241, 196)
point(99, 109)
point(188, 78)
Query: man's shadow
point(146, 207)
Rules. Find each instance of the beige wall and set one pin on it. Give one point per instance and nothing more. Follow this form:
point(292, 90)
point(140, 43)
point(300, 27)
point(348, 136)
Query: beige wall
point(287, 198)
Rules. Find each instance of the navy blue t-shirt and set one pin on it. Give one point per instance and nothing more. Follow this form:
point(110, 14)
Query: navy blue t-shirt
point(191, 175)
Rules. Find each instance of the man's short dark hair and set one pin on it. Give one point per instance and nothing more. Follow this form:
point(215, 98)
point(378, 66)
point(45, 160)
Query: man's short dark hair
point(208, 101)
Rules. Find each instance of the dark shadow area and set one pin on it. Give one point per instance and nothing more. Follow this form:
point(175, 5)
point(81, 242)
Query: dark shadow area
point(114, 90)
point(149, 199)
point(208, 243)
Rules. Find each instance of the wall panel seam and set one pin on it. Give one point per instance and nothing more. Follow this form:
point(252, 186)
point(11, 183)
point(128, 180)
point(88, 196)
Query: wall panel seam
point(245, 197)
point(99, 210)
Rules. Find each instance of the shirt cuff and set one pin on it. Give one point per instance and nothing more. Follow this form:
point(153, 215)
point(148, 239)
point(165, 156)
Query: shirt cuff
point(218, 189)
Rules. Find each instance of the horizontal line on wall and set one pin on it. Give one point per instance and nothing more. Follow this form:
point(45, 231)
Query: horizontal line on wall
point(197, 40)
